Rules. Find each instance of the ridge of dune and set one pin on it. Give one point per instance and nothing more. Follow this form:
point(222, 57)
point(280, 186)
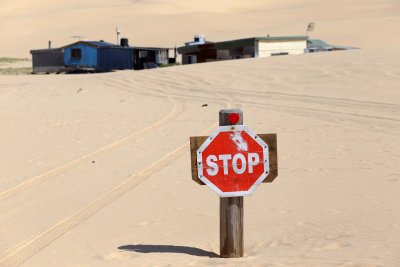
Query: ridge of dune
point(170, 23)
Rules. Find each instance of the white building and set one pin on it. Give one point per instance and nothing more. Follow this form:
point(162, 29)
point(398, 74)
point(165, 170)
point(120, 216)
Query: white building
point(202, 51)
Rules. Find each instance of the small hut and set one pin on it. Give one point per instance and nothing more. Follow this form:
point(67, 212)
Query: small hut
point(203, 51)
point(150, 57)
point(97, 56)
point(47, 60)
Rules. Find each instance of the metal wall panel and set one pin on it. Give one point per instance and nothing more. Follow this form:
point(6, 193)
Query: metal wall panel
point(115, 59)
point(88, 57)
point(48, 61)
point(266, 49)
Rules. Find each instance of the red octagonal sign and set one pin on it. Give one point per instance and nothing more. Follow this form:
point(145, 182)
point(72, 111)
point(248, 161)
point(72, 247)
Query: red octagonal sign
point(233, 161)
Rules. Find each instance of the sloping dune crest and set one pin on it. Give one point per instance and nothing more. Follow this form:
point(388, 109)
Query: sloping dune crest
point(27, 25)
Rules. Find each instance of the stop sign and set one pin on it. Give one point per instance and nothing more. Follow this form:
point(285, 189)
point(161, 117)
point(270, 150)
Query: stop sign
point(233, 161)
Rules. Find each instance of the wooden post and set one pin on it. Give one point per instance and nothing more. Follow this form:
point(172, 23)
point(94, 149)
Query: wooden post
point(231, 208)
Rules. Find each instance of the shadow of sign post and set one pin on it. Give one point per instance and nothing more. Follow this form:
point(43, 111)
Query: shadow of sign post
point(140, 248)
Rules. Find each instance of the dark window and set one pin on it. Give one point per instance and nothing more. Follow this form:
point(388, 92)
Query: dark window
point(143, 54)
point(280, 54)
point(76, 53)
point(196, 39)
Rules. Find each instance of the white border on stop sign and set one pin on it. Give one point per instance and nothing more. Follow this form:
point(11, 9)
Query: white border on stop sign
point(233, 128)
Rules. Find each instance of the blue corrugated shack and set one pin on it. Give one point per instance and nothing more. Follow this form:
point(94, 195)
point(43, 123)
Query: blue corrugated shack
point(98, 56)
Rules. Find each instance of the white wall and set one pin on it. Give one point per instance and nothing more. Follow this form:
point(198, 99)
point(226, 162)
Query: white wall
point(265, 49)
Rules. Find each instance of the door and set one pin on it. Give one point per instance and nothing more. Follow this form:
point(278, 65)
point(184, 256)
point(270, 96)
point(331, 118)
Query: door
point(191, 59)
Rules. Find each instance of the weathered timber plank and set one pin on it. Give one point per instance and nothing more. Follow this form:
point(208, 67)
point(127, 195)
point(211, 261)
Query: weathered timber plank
point(271, 141)
point(231, 208)
point(231, 227)
point(195, 143)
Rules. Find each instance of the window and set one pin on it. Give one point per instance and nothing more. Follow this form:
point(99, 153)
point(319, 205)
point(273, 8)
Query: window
point(280, 54)
point(76, 53)
point(143, 54)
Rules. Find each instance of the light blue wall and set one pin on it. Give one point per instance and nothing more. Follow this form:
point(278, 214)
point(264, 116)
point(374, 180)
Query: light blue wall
point(88, 59)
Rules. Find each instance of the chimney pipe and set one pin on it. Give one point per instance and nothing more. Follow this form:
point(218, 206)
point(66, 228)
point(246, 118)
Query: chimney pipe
point(49, 45)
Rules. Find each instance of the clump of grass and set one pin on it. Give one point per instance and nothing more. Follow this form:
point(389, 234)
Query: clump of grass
point(12, 59)
point(169, 65)
point(15, 71)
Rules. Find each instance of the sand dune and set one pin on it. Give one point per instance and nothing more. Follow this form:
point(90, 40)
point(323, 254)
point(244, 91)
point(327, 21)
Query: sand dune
point(106, 168)
point(95, 169)
point(27, 25)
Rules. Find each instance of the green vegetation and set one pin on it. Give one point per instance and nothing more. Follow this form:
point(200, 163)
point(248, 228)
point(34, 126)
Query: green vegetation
point(169, 65)
point(12, 59)
point(10, 66)
point(15, 71)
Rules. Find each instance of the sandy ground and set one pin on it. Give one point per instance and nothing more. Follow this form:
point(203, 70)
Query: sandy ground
point(95, 169)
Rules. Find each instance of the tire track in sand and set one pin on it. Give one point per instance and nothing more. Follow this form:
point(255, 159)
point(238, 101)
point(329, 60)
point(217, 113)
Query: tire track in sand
point(27, 249)
point(177, 109)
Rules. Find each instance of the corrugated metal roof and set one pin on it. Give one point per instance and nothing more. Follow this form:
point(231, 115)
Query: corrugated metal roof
point(45, 50)
point(282, 38)
point(342, 47)
point(250, 41)
point(235, 43)
point(318, 43)
point(101, 43)
point(150, 48)
point(97, 44)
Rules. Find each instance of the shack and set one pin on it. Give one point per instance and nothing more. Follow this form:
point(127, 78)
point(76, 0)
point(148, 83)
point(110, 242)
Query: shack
point(316, 45)
point(150, 57)
point(47, 60)
point(97, 56)
point(200, 50)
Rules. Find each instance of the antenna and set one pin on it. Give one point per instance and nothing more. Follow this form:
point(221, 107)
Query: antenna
point(79, 37)
point(310, 27)
point(118, 31)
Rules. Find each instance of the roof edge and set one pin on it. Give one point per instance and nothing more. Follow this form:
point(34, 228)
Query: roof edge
point(91, 43)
